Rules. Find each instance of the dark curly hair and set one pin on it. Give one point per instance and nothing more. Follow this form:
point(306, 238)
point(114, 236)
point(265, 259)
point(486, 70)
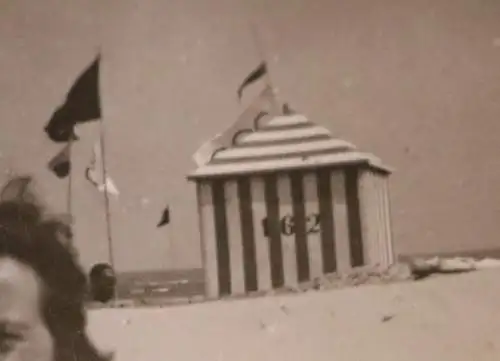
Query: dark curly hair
point(27, 236)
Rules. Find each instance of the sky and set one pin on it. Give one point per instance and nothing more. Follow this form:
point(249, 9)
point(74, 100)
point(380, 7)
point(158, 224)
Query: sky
point(415, 83)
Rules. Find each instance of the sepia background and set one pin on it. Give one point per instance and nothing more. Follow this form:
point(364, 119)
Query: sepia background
point(415, 82)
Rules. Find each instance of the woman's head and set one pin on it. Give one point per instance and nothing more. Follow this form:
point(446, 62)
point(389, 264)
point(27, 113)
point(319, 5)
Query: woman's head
point(42, 287)
point(102, 282)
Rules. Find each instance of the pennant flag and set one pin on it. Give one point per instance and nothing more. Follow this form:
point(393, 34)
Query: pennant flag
point(94, 173)
point(60, 165)
point(82, 105)
point(165, 217)
point(204, 154)
point(255, 75)
point(265, 103)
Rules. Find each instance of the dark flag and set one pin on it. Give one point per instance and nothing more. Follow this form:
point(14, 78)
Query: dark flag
point(165, 217)
point(60, 165)
point(82, 105)
point(255, 75)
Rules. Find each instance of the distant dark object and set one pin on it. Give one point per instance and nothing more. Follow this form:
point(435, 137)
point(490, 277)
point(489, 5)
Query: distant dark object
point(287, 110)
point(165, 217)
point(60, 165)
point(255, 75)
point(15, 188)
point(387, 318)
point(102, 282)
point(83, 104)
point(17, 194)
point(19, 189)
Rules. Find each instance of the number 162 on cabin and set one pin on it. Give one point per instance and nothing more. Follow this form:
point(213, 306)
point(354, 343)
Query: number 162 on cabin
point(288, 225)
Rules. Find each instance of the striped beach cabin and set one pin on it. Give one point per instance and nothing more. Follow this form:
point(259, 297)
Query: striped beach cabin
point(286, 203)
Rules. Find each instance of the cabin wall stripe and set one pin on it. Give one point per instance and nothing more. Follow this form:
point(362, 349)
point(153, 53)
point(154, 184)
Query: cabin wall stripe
point(286, 220)
point(353, 209)
point(235, 237)
point(379, 219)
point(328, 221)
point(387, 217)
point(208, 240)
point(385, 224)
point(262, 244)
point(384, 234)
point(368, 203)
point(313, 225)
point(341, 218)
point(248, 235)
point(275, 230)
point(300, 217)
point(221, 236)
point(375, 218)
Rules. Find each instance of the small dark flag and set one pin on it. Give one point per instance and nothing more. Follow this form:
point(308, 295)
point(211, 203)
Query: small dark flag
point(82, 105)
point(255, 75)
point(165, 217)
point(60, 165)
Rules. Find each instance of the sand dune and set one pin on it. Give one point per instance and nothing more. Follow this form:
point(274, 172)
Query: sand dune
point(444, 318)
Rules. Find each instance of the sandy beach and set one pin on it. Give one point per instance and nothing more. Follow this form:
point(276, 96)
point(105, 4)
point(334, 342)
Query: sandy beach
point(453, 317)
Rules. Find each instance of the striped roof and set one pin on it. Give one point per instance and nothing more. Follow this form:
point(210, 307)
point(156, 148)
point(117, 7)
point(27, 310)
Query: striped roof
point(281, 143)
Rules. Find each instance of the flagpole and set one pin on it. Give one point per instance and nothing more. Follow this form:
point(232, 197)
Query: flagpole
point(69, 204)
point(263, 56)
point(106, 197)
point(260, 50)
point(105, 184)
point(169, 245)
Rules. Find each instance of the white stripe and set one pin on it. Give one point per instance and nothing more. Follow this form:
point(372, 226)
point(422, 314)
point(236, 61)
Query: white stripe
point(263, 260)
point(95, 172)
point(385, 218)
point(387, 209)
point(235, 238)
point(340, 220)
point(302, 148)
point(287, 241)
point(299, 162)
point(311, 203)
point(204, 154)
point(208, 239)
point(257, 138)
point(288, 120)
point(368, 205)
point(379, 216)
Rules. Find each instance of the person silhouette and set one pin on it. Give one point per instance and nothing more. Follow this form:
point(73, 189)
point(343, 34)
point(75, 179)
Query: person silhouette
point(42, 288)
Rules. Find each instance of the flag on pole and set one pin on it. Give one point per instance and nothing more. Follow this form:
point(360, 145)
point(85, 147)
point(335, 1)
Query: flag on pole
point(82, 104)
point(94, 173)
point(60, 164)
point(264, 103)
point(165, 217)
point(255, 75)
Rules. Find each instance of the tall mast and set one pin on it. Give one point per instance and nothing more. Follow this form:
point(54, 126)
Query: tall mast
point(259, 46)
